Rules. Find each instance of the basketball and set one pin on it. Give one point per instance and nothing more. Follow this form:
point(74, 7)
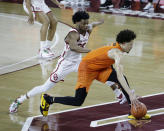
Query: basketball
point(139, 111)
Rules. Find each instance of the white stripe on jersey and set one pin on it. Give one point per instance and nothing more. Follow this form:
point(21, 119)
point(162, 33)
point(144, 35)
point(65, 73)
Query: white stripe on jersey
point(67, 54)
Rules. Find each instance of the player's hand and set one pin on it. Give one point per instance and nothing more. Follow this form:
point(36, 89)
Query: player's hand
point(30, 20)
point(133, 99)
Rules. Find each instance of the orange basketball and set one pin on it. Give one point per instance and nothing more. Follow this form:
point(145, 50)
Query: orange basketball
point(139, 111)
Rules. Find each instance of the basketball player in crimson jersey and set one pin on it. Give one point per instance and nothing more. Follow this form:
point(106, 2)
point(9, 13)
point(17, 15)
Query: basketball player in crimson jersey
point(39, 11)
point(75, 43)
point(98, 64)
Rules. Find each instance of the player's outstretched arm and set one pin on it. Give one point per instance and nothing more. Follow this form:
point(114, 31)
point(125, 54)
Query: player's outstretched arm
point(116, 55)
point(100, 22)
point(72, 39)
point(94, 24)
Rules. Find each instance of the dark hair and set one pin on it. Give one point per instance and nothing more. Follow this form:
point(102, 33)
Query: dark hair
point(78, 16)
point(125, 36)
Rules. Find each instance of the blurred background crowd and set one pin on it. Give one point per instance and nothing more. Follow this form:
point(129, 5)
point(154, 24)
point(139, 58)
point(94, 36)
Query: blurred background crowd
point(151, 6)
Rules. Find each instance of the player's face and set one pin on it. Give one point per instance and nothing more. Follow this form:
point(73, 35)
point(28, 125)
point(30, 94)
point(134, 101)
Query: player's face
point(128, 46)
point(83, 25)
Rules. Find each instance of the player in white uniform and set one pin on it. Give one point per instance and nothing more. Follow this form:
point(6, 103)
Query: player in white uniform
point(39, 11)
point(69, 60)
point(75, 42)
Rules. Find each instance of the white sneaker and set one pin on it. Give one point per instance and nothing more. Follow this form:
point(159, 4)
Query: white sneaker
point(46, 53)
point(14, 106)
point(148, 6)
point(121, 98)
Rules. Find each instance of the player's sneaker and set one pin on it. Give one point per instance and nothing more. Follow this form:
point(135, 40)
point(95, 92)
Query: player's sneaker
point(131, 117)
point(46, 100)
point(121, 98)
point(46, 53)
point(148, 6)
point(14, 106)
point(50, 51)
point(146, 117)
point(107, 4)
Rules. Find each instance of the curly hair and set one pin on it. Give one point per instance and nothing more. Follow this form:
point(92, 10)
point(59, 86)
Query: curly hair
point(78, 16)
point(125, 36)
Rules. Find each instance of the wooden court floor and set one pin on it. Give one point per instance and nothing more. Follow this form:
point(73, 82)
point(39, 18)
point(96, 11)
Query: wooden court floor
point(144, 66)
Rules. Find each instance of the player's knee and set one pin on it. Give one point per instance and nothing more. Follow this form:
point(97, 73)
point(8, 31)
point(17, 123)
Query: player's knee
point(46, 22)
point(79, 102)
point(80, 96)
point(54, 22)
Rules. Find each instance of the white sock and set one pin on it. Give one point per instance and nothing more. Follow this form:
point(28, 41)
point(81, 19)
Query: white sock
point(117, 92)
point(48, 44)
point(22, 98)
point(42, 45)
point(37, 90)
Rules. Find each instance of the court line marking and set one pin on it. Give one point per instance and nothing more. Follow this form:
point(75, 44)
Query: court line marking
point(95, 123)
point(29, 119)
point(160, 130)
point(17, 63)
point(18, 17)
point(23, 18)
point(27, 125)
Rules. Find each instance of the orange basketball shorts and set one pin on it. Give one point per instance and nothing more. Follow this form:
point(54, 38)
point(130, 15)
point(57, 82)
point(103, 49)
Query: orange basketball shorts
point(87, 75)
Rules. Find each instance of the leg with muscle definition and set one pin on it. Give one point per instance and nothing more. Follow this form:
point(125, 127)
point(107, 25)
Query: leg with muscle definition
point(45, 21)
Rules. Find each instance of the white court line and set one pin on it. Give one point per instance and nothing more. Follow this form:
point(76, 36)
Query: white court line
point(95, 123)
point(28, 59)
point(27, 125)
point(160, 130)
point(19, 17)
point(31, 118)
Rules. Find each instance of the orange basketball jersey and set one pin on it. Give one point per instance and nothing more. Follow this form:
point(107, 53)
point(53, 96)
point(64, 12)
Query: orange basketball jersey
point(98, 59)
point(95, 65)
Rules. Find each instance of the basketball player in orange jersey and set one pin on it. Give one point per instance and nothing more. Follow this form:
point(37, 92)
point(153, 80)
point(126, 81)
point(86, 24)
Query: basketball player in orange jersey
point(98, 65)
point(75, 42)
point(39, 11)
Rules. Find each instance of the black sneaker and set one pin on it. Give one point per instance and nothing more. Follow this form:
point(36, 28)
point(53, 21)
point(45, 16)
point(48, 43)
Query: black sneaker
point(46, 100)
point(106, 4)
point(127, 5)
